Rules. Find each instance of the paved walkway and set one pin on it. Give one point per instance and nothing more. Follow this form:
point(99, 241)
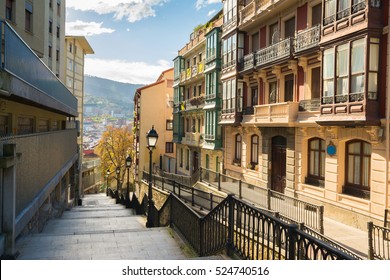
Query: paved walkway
point(101, 229)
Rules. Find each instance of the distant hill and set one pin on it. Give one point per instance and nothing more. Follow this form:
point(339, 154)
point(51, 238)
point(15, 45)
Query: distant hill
point(109, 95)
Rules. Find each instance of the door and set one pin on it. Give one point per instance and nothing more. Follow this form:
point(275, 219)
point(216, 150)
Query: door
point(278, 167)
point(196, 162)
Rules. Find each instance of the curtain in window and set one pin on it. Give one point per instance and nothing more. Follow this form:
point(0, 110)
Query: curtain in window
point(342, 70)
point(255, 149)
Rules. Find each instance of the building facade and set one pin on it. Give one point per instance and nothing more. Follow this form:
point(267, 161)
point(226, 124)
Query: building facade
point(76, 47)
point(153, 107)
point(304, 101)
point(41, 24)
point(197, 102)
point(38, 140)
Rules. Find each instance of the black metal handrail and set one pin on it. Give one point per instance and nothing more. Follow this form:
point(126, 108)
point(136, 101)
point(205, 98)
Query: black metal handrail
point(378, 242)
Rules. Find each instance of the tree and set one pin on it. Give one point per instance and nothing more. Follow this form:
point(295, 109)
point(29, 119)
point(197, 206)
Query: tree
point(113, 148)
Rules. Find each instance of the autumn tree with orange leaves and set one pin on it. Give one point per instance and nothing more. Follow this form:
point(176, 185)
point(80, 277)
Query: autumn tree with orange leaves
point(113, 148)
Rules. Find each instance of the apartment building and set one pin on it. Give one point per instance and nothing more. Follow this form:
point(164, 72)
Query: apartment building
point(304, 94)
point(197, 100)
point(38, 136)
point(153, 107)
point(41, 24)
point(76, 47)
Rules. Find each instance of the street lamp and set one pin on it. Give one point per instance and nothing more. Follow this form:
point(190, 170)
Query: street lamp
point(151, 140)
point(107, 174)
point(117, 171)
point(128, 164)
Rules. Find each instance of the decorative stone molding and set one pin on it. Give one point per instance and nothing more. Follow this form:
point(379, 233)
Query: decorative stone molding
point(321, 131)
point(304, 131)
point(277, 70)
point(333, 132)
point(262, 74)
point(293, 65)
point(302, 61)
point(376, 134)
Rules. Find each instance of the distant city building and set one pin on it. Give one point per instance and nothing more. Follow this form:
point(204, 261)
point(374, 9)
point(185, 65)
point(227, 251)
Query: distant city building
point(153, 107)
point(38, 136)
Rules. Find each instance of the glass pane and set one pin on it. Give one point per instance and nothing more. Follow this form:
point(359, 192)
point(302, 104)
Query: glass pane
point(366, 171)
point(328, 88)
point(356, 175)
point(367, 149)
point(328, 63)
point(342, 86)
point(342, 60)
point(357, 83)
point(374, 57)
point(312, 163)
point(323, 164)
point(354, 148)
point(350, 169)
point(316, 163)
point(314, 144)
point(357, 62)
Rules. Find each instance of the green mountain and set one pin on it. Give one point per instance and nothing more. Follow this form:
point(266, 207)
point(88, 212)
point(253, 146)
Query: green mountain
point(109, 95)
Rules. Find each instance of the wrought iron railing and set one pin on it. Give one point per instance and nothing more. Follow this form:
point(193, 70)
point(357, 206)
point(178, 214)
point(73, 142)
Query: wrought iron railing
point(311, 105)
point(274, 52)
point(378, 242)
point(307, 38)
point(297, 210)
point(247, 62)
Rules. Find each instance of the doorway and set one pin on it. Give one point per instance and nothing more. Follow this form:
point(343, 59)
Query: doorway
point(278, 166)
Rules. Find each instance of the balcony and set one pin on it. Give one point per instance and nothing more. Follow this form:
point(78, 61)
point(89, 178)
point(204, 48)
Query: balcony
point(195, 102)
point(254, 8)
point(195, 139)
point(309, 110)
point(277, 114)
point(247, 62)
point(274, 53)
point(192, 72)
point(30, 79)
point(307, 39)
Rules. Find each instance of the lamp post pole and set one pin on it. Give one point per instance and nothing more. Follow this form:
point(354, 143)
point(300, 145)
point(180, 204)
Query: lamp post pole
point(151, 138)
point(128, 165)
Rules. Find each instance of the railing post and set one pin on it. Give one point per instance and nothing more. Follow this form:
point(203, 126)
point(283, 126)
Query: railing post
point(201, 237)
point(292, 240)
point(219, 181)
point(192, 196)
point(269, 199)
point(229, 244)
point(200, 174)
point(162, 183)
point(321, 219)
point(179, 190)
point(240, 189)
point(211, 201)
point(174, 185)
point(370, 226)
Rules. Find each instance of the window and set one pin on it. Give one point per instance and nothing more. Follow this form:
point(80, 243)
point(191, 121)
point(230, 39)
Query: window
point(169, 147)
point(70, 47)
point(289, 88)
point(169, 125)
point(373, 69)
point(51, 4)
point(229, 51)
point(255, 42)
point(254, 96)
point(289, 28)
point(28, 24)
point(348, 83)
point(254, 150)
point(57, 55)
point(273, 33)
point(10, 9)
point(358, 162)
point(58, 8)
point(229, 11)
point(50, 51)
point(58, 31)
point(4, 125)
point(50, 26)
point(69, 82)
point(237, 151)
point(330, 10)
point(272, 92)
point(229, 98)
point(70, 64)
point(316, 14)
point(43, 125)
point(25, 125)
point(341, 9)
point(316, 153)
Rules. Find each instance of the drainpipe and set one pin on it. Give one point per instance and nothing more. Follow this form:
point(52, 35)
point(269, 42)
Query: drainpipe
point(387, 117)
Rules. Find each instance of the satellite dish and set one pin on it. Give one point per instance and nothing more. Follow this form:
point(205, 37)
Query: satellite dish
point(275, 37)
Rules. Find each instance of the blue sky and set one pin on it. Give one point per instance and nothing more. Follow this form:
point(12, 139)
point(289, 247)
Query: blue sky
point(135, 40)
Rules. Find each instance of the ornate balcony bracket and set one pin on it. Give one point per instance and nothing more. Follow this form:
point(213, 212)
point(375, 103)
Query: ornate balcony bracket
point(277, 70)
point(376, 134)
point(293, 65)
point(302, 62)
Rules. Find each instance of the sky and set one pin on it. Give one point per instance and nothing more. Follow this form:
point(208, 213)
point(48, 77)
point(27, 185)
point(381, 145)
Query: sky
point(135, 40)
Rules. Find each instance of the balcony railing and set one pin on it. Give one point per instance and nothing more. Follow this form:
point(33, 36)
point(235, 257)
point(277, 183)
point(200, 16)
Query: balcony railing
point(247, 62)
point(308, 38)
point(311, 105)
point(275, 52)
point(192, 71)
point(20, 61)
point(278, 113)
point(247, 12)
point(193, 139)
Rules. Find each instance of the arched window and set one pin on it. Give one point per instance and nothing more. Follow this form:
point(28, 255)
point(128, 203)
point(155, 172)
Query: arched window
point(357, 169)
point(237, 150)
point(254, 149)
point(316, 162)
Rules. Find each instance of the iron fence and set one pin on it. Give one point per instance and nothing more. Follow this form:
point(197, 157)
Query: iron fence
point(378, 242)
point(297, 210)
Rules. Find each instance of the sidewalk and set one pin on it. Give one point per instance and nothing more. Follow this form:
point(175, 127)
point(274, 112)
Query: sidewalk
point(101, 229)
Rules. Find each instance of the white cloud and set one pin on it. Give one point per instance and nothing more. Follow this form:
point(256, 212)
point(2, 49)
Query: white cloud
point(132, 10)
point(203, 3)
point(125, 71)
point(212, 12)
point(82, 28)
